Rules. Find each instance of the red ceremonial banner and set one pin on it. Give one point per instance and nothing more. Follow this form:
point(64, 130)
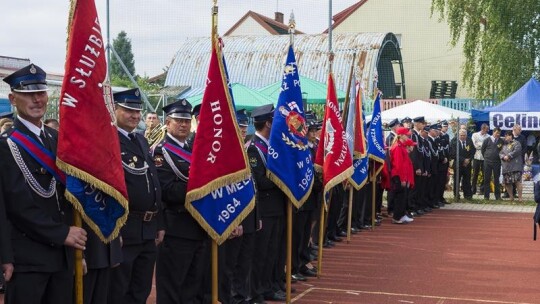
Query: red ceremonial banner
point(333, 156)
point(88, 145)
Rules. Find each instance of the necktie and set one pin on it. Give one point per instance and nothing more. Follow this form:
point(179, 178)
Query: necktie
point(463, 145)
point(132, 136)
point(44, 140)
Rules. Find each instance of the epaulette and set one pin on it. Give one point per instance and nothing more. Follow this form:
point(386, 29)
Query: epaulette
point(7, 132)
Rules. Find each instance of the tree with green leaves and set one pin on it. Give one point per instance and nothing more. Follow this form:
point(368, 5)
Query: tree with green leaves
point(122, 46)
point(501, 42)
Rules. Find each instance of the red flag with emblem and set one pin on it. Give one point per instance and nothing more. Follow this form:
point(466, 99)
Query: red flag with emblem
point(88, 145)
point(333, 157)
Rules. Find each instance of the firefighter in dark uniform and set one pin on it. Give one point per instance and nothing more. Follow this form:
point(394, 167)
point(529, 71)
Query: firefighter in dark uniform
point(131, 282)
point(444, 146)
point(389, 141)
point(41, 236)
point(237, 252)
point(417, 158)
point(426, 174)
point(432, 145)
point(181, 261)
point(271, 204)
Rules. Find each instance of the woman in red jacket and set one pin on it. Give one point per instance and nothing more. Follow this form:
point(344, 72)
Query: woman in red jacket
point(402, 175)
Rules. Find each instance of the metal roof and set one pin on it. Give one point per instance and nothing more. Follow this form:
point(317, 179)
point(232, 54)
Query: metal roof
point(257, 61)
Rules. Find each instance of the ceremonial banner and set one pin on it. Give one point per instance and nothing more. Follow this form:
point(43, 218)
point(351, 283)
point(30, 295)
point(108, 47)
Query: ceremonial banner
point(221, 192)
point(355, 130)
point(333, 157)
point(88, 145)
point(375, 136)
point(289, 164)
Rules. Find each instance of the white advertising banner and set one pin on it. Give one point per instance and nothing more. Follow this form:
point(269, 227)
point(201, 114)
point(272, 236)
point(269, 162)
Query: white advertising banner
point(507, 120)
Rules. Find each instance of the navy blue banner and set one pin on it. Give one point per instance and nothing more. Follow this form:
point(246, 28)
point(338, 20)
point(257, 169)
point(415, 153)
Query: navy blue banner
point(289, 162)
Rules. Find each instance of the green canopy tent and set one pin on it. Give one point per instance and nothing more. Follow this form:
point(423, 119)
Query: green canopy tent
point(313, 92)
point(244, 98)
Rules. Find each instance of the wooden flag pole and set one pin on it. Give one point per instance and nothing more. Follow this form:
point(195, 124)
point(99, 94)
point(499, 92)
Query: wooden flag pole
point(349, 216)
point(373, 198)
point(77, 221)
point(214, 272)
point(289, 251)
point(321, 241)
point(214, 243)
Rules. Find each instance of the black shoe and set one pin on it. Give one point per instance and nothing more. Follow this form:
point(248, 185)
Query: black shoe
point(343, 233)
point(299, 277)
point(468, 198)
point(354, 230)
point(257, 300)
point(275, 296)
point(420, 212)
point(335, 238)
point(434, 206)
point(427, 209)
point(308, 272)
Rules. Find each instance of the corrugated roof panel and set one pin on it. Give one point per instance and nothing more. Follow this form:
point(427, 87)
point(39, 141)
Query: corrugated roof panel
point(257, 61)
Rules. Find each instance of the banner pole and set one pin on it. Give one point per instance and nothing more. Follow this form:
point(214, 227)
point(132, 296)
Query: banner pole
point(373, 194)
point(321, 241)
point(289, 251)
point(77, 221)
point(214, 272)
point(349, 216)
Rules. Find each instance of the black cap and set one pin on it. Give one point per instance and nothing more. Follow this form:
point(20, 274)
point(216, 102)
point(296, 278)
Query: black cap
point(393, 123)
point(196, 110)
point(29, 79)
point(434, 127)
point(129, 99)
point(444, 123)
point(242, 118)
point(427, 128)
point(419, 119)
point(181, 108)
point(313, 125)
point(406, 119)
point(6, 115)
point(263, 113)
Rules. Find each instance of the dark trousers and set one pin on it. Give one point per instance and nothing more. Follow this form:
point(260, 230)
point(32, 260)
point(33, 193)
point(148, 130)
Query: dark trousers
point(442, 180)
point(478, 165)
point(40, 288)
point(131, 282)
point(390, 200)
point(96, 286)
point(433, 189)
point(400, 201)
point(338, 196)
point(415, 197)
point(492, 170)
point(180, 270)
point(465, 179)
point(239, 253)
point(301, 233)
point(266, 254)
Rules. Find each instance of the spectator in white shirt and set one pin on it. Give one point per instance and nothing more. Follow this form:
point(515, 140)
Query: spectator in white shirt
point(478, 162)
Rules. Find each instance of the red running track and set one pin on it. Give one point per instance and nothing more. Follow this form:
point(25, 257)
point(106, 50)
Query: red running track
point(446, 257)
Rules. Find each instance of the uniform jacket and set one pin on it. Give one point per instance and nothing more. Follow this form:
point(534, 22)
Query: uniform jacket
point(144, 191)
point(416, 155)
point(270, 199)
point(178, 221)
point(39, 226)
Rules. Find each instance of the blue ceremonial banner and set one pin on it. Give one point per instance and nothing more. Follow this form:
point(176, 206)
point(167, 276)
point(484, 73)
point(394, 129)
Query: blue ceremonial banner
point(289, 162)
point(375, 136)
point(360, 157)
point(221, 192)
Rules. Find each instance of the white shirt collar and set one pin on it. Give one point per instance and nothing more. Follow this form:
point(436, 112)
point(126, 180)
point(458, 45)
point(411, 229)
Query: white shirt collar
point(124, 132)
point(181, 144)
point(262, 137)
point(32, 127)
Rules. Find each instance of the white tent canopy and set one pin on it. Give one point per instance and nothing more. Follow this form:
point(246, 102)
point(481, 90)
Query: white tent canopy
point(431, 112)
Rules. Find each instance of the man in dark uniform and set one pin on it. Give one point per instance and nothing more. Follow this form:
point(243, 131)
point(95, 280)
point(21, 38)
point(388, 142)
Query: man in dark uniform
point(426, 174)
point(6, 252)
point(41, 236)
point(462, 158)
point(271, 203)
point(181, 260)
point(433, 181)
point(236, 254)
point(444, 146)
point(417, 158)
point(195, 113)
point(131, 282)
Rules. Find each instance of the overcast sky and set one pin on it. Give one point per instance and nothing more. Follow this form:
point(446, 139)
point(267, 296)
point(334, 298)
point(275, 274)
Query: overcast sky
point(38, 29)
